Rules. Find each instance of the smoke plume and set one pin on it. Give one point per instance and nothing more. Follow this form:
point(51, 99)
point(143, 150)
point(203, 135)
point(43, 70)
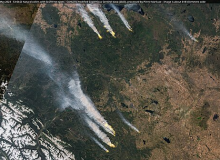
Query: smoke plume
point(122, 17)
point(126, 122)
point(87, 19)
point(94, 8)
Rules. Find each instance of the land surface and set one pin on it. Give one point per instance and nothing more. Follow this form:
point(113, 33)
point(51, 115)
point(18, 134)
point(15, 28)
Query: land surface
point(163, 82)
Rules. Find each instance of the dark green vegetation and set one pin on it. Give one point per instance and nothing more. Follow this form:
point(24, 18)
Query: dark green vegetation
point(50, 15)
point(99, 61)
point(10, 48)
point(212, 60)
point(87, 149)
point(10, 51)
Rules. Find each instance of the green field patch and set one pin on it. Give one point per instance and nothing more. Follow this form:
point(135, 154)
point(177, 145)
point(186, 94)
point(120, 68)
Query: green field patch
point(201, 116)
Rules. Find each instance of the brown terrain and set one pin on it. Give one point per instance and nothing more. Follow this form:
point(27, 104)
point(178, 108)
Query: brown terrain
point(184, 100)
point(23, 14)
point(185, 104)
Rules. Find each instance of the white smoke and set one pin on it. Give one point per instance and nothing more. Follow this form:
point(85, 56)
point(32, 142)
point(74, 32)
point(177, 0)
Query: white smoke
point(126, 122)
point(9, 30)
point(99, 144)
point(90, 109)
point(95, 128)
point(94, 8)
point(30, 47)
point(70, 92)
point(179, 26)
point(86, 18)
point(122, 17)
point(190, 36)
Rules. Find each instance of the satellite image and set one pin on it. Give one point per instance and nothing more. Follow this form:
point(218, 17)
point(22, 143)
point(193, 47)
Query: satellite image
point(109, 81)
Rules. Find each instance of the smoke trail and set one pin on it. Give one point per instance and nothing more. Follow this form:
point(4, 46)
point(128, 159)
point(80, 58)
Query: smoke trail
point(74, 96)
point(87, 19)
point(94, 8)
point(94, 127)
point(90, 110)
point(188, 34)
point(69, 93)
point(126, 122)
point(122, 17)
point(14, 32)
point(177, 24)
point(30, 47)
point(181, 27)
point(99, 144)
point(78, 100)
